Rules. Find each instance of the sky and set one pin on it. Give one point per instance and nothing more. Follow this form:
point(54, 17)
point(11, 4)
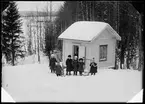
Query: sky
point(41, 5)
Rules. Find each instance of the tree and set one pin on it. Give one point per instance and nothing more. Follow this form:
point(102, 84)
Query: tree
point(49, 39)
point(30, 52)
point(4, 5)
point(50, 29)
point(38, 37)
point(139, 5)
point(11, 33)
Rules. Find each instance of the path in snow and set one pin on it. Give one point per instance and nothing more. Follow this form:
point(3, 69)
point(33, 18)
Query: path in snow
point(32, 59)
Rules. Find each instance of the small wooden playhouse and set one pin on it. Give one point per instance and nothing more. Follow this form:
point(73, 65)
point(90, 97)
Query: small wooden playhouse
point(90, 39)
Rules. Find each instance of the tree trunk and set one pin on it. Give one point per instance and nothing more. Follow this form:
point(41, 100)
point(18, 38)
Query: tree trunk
point(35, 38)
point(122, 57)
point(13, 58)
point(116, 55)
point(140, 64)
point(93, 11)
point(128, 61)
point(86, 11)
point(13, 54)
point(82, 13)
point(116, 66)
point(118, 16)
point(38, 38)
point(115, 18)
point(121, 62)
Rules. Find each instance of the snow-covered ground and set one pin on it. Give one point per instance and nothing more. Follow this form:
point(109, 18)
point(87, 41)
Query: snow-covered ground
point(34, 82)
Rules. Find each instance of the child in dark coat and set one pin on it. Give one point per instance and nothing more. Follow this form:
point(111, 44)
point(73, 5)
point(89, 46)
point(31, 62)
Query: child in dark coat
point(75, 65)
point(93, 69)
point(81, 66)
point(69, 66)
point(52, 63)
point(58, 69)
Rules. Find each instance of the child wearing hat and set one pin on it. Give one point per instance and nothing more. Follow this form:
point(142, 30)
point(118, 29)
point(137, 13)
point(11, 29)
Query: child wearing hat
point(81, 66)
point(58, 69)
point(75, 65)
point(93, 67)
point(69, 66)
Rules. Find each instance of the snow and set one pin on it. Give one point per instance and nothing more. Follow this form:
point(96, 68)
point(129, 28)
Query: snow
point(86, 30)
point(138, 98)
point(5, 97)
point(34, 83)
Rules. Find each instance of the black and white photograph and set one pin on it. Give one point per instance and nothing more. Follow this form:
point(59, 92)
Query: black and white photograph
point(72, 51)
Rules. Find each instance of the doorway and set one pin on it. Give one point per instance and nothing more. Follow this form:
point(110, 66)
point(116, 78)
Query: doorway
point(79, 51)
point(75, 50)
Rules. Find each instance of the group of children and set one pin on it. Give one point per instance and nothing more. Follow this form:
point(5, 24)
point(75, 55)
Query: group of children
point(76, 65)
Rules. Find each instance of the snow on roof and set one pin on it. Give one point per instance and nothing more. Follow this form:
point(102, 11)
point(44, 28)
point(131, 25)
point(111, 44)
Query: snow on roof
point(86, 30)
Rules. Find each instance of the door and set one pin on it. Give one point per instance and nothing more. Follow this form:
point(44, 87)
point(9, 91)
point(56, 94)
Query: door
point(81, 51)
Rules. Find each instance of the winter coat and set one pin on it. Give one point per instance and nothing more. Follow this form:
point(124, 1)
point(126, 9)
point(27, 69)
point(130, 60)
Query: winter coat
point(69, 66)
point(58, 69)
point(75, 65)
point(93, 68)
point(52, 62)
point(81, 66)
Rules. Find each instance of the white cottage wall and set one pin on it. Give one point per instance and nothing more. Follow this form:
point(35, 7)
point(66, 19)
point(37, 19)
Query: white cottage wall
point(88, 56)
point(67, 49)
point(105, 38)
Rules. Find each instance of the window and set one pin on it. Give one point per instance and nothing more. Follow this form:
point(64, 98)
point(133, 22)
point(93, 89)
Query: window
point(103, 52)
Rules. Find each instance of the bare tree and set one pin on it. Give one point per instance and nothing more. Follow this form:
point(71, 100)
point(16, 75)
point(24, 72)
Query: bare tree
point(37, 25)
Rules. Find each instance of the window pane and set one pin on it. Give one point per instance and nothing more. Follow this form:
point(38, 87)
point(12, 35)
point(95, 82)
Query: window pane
point(103, 52)
point(100, 52)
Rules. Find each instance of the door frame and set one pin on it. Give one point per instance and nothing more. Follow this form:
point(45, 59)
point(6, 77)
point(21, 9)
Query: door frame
point(73, 50)
point(85, 51)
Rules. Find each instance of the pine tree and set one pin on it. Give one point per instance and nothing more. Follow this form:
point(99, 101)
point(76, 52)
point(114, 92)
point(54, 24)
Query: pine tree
point(5, 40)
point(11, 33)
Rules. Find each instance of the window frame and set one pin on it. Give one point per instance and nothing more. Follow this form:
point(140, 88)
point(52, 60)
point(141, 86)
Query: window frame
point(101, 48)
